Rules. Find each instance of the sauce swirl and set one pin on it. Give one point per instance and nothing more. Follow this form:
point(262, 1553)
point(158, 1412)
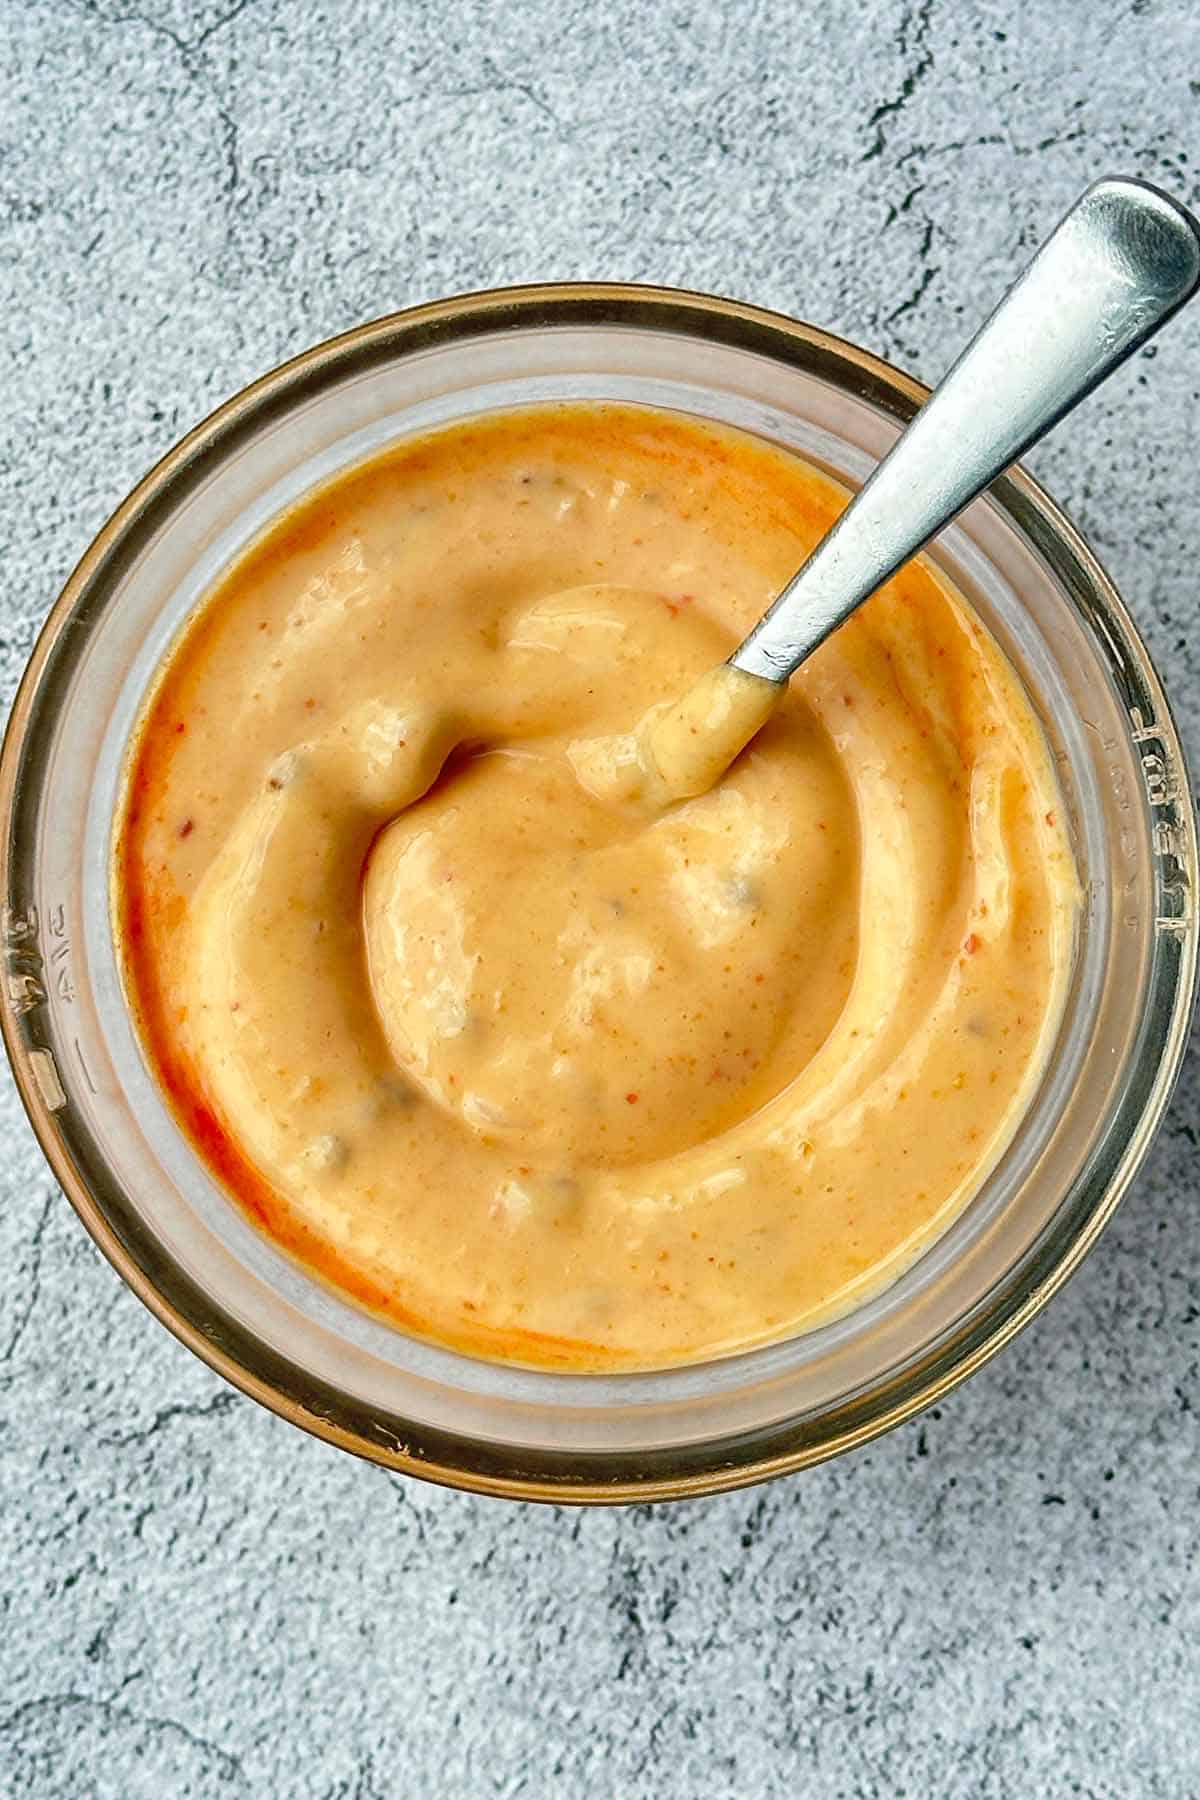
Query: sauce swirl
point(503, 1009)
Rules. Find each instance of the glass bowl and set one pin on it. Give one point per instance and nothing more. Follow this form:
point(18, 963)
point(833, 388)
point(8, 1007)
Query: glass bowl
point(260, 1319)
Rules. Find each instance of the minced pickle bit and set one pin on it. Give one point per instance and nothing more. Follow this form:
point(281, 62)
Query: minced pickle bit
point(550, 988)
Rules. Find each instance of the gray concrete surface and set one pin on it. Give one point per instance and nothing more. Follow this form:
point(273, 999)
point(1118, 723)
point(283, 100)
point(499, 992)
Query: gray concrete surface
point(195, 1600)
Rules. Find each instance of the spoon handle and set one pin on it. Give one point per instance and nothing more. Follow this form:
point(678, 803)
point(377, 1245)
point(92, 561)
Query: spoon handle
point(1120, 263)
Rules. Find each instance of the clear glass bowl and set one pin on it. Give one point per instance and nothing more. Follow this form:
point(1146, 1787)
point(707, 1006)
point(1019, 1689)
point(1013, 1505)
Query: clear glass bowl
point(260, 1319)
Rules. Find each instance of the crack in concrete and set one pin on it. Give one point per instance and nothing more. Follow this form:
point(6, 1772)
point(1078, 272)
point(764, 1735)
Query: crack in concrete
point(920, 154)
point(196, 67)
point(229, 1765)
point(912, 35)
point(181, 1409)
point(185, 46)
point(33, 1283)
point(925, 152)
point(227, 18)
point(895, 212)
point(499, 82)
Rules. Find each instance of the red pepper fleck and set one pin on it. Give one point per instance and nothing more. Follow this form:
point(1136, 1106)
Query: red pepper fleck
point(180, 726)
point(632, 1099)
point(970, 944)
point(186, 829)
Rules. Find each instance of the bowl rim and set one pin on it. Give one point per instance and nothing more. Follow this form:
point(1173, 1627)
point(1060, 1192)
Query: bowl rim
point(232, 1350)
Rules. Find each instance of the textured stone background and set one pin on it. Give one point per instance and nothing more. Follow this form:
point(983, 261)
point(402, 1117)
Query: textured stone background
point(198, 1601)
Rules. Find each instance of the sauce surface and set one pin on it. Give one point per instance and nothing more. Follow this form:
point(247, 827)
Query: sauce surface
point(475, 1015)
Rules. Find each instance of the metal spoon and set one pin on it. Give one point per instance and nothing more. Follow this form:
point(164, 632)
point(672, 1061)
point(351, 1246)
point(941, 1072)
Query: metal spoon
point(1121, 262)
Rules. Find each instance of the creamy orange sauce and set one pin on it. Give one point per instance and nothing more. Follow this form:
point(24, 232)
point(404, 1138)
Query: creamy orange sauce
point(488, 993)
point(681, 748)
